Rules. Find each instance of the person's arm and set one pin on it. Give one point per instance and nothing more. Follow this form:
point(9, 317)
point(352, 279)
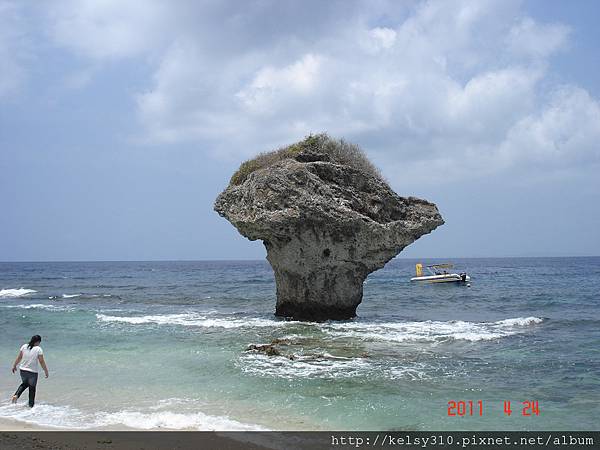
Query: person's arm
point(43, 363)
point(17, 361)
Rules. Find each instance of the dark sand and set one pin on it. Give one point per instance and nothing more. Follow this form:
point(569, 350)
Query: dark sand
point(93, 440)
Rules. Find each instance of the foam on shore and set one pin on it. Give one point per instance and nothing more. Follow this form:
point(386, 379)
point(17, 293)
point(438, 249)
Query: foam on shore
point(68, 417)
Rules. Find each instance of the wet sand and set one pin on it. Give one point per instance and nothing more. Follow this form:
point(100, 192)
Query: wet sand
point(134, 440)
point(21, 436)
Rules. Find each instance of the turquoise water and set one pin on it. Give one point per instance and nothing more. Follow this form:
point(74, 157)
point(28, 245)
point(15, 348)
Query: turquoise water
point(162, 345)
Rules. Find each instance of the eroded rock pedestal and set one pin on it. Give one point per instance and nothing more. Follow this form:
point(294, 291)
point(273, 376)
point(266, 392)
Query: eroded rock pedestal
point(325, 226)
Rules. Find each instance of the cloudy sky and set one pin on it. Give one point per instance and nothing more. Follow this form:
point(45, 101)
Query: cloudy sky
point(120, 121)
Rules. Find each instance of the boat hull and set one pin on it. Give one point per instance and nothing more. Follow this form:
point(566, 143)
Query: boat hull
point(444, 278)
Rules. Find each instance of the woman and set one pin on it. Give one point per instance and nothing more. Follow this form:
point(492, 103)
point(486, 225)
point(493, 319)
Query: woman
point(28, 356)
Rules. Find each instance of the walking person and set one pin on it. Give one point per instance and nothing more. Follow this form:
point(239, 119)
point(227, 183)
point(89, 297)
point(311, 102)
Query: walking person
point(28, 357)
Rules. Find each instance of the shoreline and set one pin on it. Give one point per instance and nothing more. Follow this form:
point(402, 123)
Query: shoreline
point(15, 425)
point(15, 435)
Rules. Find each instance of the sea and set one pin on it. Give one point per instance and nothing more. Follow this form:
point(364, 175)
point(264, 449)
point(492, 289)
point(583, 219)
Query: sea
point(163, 345)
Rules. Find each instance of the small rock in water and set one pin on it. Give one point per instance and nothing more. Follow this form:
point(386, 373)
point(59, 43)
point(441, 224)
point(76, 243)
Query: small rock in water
point(267, 349)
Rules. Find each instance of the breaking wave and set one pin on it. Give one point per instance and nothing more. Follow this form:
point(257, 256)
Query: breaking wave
point(83, 296)
point(68, 417)
point(192, 320)
point(38, 306)
point(424, 331)
point(432, 331)
point(323, 366)
point(329, 367)
point(174, 421)
point(13, 293)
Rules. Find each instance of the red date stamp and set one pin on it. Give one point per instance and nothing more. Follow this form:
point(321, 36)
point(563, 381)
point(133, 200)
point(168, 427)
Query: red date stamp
point(468, 408)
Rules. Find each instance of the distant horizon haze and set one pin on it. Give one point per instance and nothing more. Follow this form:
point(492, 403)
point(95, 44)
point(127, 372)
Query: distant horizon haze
point(424, 258)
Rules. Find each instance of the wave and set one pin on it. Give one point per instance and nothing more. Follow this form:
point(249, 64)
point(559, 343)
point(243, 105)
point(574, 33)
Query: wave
point(174, 421)
point(328, 367)
point(432, 331)
point(68, 417)
point(424, 331)
point(520, 321)
point(12, 293)
point(37, 306)
point(192, 320)
point(83, 296)
point(307, 366)
point(414, 372)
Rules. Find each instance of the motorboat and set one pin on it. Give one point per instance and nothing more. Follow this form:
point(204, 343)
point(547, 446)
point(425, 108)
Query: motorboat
point(439, 273)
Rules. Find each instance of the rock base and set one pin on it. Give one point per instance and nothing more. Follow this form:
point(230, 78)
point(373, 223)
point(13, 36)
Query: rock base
point(314, 311)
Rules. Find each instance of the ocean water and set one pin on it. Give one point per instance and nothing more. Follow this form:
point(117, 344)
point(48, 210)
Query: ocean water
point(151, 345)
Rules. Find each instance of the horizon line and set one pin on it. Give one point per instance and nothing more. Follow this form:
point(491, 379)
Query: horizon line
point(264, 259)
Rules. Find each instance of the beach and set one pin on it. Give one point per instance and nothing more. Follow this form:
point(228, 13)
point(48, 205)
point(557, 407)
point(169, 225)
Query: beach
point(126, 441)
point(164, 346)
point(24, 436)
point(11, 425)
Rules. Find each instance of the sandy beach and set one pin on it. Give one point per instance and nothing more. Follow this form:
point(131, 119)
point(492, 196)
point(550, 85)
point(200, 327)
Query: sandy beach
point(11, 425)
point(20, 436)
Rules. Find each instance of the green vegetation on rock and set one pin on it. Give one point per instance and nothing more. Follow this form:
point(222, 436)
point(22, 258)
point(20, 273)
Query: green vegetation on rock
point(338, 152)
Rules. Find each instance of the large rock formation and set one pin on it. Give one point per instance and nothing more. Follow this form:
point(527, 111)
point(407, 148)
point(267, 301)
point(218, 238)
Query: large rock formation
point(327, 220)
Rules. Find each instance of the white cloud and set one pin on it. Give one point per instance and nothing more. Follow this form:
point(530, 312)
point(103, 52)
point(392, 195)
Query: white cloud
point(107, 29)
point(379, 39)
point(529, 38)
point(270, 83)
point(447, 89)
point(565, 132)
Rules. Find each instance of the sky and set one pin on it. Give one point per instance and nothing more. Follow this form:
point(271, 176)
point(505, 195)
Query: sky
point(121, 121)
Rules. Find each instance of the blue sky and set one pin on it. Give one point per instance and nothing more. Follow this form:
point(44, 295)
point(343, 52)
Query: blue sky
point(120, 122)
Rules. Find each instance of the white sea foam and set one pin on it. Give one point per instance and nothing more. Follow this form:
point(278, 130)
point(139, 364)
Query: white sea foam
point(12, 293)
point(173, 421)
point(37, 306)
point(303, 366)
point(54, 297)
point(45, 415)
point(432, 331)
point(68, 417)
point(192, 320)
point(425, 331)
point(520, 321)
point(410, 371)
point(327, 366)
